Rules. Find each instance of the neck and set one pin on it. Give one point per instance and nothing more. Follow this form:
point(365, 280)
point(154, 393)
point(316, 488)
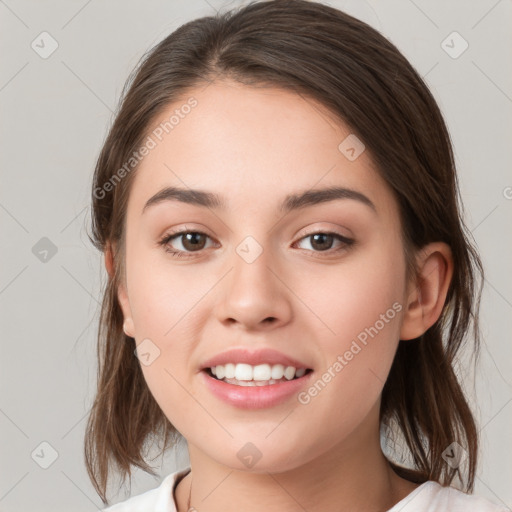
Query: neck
point(355, 475)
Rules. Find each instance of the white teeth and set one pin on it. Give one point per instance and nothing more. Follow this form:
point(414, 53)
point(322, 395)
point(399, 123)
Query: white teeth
point(230, 370)
point(277, 371)
point(220, 371)
point(261, 372)
point(252, 383)
point(289, 373)
point(243, 371)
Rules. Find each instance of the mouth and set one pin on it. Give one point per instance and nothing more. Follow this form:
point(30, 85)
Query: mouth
point(255, 387)
point(245, 375)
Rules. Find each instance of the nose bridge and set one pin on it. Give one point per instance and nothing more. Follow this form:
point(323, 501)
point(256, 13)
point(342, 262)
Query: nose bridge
point(252, 280)
point(253, 293)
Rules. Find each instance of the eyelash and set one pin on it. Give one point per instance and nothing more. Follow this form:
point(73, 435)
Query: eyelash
point(164, 242)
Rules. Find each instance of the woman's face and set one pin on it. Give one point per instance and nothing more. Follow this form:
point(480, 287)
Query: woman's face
point(259, 279)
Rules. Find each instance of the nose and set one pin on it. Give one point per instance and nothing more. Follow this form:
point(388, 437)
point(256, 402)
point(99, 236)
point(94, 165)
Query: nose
point(253, 294)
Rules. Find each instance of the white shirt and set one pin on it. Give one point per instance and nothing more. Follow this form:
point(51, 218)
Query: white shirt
point(428, 497)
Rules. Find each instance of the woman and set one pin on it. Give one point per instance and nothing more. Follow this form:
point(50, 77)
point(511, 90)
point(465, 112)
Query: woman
point(277, 206)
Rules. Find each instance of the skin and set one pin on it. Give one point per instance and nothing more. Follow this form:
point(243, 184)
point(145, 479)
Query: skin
point(255, 146)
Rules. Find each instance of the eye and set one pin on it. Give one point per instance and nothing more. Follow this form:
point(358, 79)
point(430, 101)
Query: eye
point(190, 241)
point(194, 241)
point(322, 241)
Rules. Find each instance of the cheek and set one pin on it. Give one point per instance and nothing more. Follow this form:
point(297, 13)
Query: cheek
point(350, 297)
point(163, 295)
point(359, 305)
point(164, 312)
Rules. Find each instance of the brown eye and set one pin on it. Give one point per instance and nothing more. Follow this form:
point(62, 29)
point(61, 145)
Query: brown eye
point(179, 244)
point(324, 241)
point(193, 241)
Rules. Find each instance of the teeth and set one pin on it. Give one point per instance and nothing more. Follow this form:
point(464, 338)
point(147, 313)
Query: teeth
point(277, 371)
point(230, 371)
point(243, 372)
point(260, 372)
point(300, 372)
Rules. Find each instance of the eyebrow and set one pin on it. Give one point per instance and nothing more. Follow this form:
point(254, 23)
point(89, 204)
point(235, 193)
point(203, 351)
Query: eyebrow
point(291, 202)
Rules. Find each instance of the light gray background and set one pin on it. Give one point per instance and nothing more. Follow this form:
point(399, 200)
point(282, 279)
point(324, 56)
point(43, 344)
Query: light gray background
point(55, 113)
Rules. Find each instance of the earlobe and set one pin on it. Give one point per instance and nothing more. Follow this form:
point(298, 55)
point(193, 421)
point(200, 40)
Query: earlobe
point(427, 295)
point(122, 297)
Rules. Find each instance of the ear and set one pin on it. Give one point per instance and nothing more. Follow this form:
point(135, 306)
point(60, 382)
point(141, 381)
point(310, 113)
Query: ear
point(427, 293)
point(122, 294)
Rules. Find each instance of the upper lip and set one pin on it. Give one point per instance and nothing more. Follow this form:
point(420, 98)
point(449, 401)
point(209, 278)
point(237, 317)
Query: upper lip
point(255, 357)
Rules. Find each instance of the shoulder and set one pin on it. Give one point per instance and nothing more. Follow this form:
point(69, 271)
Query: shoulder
point(160, 499)
point(433, 497)
point(456, 500)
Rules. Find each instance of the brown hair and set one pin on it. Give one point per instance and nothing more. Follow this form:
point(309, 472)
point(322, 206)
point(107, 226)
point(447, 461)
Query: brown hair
point(363, 79)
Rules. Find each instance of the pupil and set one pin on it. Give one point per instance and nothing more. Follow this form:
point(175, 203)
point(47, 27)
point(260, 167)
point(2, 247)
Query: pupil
point(323, 236)
point(191, 238)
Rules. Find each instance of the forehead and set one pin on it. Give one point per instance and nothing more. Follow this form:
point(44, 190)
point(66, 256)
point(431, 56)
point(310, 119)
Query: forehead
point(253, 144)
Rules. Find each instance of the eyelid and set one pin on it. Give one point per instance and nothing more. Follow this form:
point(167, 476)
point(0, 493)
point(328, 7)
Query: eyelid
point(332, 231)
point(177, 232)
point(308, 231)
point(347, 242)
point(185, 229)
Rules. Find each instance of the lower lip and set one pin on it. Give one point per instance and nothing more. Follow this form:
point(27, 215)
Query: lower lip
point(255, 397)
